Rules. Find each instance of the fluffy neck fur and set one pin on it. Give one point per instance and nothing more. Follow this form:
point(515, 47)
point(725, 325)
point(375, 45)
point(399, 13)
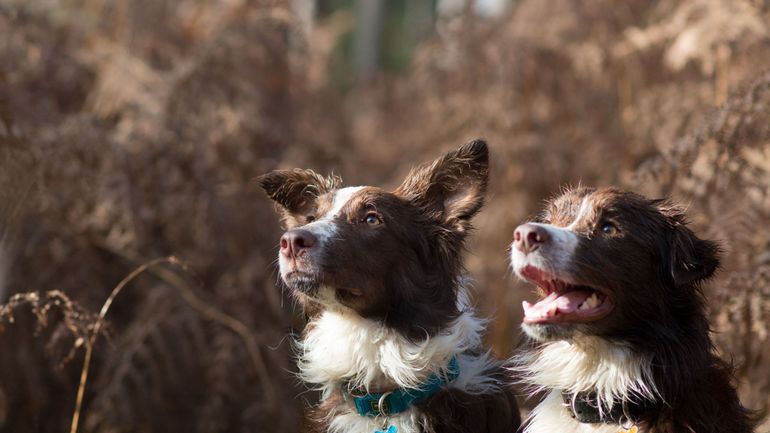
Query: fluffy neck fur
point(342, 348)
point(550, 416)
point(612, 370)
point(690, 388)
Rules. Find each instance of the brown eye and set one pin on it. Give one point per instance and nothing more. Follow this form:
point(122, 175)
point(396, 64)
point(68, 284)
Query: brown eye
point(609, 228)
point(372, 219)
point(310, 218)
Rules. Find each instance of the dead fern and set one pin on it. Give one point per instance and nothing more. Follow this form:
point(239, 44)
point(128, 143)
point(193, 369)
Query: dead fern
point(79, 323)
point(134, 129)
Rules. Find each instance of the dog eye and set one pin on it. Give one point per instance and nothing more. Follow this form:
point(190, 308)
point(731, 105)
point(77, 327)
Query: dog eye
point(609, 228)
point(372, 219)
point(310, 218)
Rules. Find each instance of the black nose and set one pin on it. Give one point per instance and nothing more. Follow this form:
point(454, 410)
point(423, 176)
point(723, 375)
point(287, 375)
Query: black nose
point(295, 242)
point(528, 237)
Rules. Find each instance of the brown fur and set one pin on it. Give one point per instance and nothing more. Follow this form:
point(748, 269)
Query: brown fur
point(653, 267)
point(403, 270)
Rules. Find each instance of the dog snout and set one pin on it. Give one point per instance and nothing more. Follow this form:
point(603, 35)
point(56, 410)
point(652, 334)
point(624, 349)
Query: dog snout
point(296, 242)
point(529, 237)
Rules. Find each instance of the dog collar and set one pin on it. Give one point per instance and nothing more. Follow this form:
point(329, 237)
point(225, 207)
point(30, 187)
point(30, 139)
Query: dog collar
point(584, 407)
point(401, 399)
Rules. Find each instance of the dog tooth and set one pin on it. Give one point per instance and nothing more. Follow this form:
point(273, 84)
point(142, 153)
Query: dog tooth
point(590, 302)
point(594, 300)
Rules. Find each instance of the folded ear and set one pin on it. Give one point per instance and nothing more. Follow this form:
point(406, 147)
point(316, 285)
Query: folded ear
point(451, 189)
point(296, 190)
point(692, 259)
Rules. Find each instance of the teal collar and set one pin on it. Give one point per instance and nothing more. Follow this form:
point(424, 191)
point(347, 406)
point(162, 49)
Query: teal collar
point(400, 399)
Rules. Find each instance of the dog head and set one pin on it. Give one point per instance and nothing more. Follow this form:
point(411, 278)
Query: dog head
point(607, 260)
point(385, 255)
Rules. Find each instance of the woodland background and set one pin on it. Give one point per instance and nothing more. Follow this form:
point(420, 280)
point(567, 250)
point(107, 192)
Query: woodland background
point(134, 129)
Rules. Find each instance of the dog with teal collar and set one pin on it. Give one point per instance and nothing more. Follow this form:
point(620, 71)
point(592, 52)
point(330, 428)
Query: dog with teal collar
point(400, 399)
point(392, 341)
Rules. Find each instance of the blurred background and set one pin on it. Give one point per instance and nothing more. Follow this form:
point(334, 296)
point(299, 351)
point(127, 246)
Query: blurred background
point(134, 129)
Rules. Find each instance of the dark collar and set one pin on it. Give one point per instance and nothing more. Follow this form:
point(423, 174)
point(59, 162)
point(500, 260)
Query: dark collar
point(584, 407)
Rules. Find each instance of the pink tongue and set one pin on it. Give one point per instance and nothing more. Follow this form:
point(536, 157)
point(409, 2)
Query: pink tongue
point(565, 303)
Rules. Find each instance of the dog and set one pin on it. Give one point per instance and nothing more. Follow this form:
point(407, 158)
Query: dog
point(392, 341)
point(619, 339)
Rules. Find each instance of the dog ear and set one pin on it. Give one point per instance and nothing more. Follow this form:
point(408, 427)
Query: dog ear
point(451, 189)
point(692, 259)
point(295, 190)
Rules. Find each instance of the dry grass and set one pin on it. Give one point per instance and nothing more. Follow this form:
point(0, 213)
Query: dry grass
point(135, 129)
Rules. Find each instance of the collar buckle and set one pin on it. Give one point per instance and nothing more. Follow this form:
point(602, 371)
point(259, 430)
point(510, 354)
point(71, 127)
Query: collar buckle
point(400, 399)
point(381, 406)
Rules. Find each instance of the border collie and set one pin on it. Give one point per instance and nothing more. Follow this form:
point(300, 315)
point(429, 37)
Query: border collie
point(391, 342)
point(619, 340)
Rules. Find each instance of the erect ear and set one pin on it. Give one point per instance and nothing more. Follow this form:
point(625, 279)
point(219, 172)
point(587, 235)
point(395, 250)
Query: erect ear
point(296, 189)
point(451, 189)
point(692, 259)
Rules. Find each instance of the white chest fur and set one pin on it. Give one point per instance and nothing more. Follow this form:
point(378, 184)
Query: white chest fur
point(611, 370)
point(551, 416)
point(344, 348)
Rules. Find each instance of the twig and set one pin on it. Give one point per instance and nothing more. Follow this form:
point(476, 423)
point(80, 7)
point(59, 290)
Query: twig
point(97, 327)
point(209, 312)
point(224, 319)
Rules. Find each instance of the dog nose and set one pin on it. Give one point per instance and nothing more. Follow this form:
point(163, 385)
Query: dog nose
point(528, 237)
point(295, 242)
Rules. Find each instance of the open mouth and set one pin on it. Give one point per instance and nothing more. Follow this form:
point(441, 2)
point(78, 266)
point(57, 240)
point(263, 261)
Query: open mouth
point(564, 302)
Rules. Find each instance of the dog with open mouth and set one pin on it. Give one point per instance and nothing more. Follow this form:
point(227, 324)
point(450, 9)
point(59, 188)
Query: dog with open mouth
point(619, 339)
point(392, 341)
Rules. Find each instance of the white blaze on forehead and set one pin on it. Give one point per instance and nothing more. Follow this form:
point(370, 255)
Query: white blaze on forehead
point(585, 207)
point(325, 227)
point(341, 198)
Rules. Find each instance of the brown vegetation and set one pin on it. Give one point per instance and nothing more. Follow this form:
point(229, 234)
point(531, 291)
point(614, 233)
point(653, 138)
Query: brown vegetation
point(134, 130)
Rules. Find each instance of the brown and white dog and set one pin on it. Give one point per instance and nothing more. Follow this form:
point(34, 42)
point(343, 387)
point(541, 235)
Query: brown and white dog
point(619, 339)
point(380, 277)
